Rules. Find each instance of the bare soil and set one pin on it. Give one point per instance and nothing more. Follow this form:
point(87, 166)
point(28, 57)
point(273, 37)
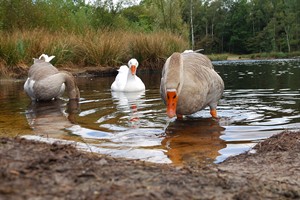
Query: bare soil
point(33, 170)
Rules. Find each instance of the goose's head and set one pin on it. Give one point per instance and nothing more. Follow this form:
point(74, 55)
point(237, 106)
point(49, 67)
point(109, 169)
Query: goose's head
point(133, 65)
point(173, 82)
point(46, 58)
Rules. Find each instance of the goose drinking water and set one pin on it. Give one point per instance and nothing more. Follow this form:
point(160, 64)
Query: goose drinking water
point(45, 82)
point(189, 83)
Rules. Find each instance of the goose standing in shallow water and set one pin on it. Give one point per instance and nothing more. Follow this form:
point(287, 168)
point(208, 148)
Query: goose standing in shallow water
point(45, 82)
point(127, 80)
point(189, 83)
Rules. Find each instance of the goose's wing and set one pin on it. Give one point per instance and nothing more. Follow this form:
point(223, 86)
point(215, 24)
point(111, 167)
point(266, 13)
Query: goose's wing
point(121, 79)
point(46, 58)
point(41, 70)
point(201, 80)
point(28, 87)
point(49, 58)
point(39, 73)
point(196, 59)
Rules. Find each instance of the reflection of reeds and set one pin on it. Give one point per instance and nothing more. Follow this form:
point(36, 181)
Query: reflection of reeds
point(93, 48)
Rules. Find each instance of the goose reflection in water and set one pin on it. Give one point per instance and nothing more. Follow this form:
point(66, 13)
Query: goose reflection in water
point(129, 103)
point(192, 141)
point(52, 117)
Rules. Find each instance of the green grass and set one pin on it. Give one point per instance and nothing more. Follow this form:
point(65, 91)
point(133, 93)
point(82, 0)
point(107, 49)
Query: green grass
point(218, 57)
point(264, 55)
point(271, 55)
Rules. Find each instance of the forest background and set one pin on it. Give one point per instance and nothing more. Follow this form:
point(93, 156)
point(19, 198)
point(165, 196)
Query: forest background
point(106, 33)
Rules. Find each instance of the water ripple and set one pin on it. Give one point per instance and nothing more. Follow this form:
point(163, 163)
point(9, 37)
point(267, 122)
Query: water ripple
point(261, 98)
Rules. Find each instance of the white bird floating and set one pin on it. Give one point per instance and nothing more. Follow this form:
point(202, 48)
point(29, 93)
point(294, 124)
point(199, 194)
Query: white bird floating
point(45, 82)
point(127, 80)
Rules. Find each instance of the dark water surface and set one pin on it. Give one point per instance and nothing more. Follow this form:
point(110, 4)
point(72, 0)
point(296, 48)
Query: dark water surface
point(261, 98)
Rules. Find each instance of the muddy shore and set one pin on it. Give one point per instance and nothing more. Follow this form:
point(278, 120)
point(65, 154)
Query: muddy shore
point(33, 170)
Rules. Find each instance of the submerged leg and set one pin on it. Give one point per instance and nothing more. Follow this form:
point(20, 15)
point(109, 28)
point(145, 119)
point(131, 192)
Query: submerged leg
point(213, 113)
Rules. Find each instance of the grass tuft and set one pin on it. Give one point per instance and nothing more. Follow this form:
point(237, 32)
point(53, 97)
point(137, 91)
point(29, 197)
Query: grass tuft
point(92, 48)
point(217, 57)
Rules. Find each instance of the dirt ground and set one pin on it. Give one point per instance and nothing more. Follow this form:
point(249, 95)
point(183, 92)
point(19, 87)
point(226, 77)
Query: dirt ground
point(33, 170)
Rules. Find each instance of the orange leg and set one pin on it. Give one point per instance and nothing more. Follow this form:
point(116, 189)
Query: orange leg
point(179, 116)
point(213, 113)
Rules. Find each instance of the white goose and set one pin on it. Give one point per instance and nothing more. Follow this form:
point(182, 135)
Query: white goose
point(127, 80)
point(45, 82)
point(189, 83)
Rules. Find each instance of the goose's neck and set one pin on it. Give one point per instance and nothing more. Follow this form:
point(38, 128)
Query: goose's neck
point(130, 76)
point(174, 73)
point(72, 89)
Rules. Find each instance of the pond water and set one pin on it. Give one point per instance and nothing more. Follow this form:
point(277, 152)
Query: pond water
point(261, 98)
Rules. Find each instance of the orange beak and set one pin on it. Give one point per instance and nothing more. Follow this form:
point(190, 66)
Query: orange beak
point(172, 99)
point(133, 69)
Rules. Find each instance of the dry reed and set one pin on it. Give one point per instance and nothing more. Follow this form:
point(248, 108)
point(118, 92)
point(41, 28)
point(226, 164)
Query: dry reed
point(91, 48)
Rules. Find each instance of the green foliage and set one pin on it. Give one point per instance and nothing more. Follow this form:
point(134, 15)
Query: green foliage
point(139, 18)
point(245, 26)
point(237, 26)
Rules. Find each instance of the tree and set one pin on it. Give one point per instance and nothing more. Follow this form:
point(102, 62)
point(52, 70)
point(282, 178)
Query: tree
point(139, 18)
point(237, 26)
point(168, 14)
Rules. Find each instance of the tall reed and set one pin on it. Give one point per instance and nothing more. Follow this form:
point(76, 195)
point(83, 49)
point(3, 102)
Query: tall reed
point(153, 49)
point(91, 48)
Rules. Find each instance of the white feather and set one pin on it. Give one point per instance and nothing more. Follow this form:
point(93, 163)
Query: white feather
point(46, 58)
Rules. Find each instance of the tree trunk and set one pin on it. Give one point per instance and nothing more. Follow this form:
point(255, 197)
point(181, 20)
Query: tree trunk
point(287, 38)
point(192, 25)
point(206, 28)
point(274, 37)
point(253, 29)
point(222, 45)
point(212, 30)
point(170, 16)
